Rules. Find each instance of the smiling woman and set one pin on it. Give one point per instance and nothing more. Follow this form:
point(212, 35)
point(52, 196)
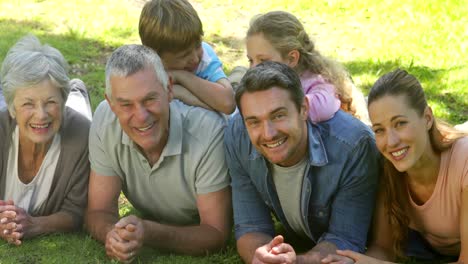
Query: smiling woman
point(44, 164)
point(423, 206)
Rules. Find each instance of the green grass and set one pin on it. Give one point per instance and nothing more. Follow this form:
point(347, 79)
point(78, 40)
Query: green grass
point(428, 38)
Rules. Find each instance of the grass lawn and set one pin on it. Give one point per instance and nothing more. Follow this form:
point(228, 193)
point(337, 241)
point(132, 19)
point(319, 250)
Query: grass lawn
point(428, 38)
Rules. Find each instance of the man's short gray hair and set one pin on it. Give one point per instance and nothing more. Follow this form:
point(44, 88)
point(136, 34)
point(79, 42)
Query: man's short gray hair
point(27, 64)
point(130, 59)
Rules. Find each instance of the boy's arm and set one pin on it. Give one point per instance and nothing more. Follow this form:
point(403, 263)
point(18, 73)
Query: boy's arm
point(184, 95)
point(218, 95)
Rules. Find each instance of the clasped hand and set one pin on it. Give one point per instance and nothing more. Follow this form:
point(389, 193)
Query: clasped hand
point(126, 239)
point(13, 222)
point(275, 252)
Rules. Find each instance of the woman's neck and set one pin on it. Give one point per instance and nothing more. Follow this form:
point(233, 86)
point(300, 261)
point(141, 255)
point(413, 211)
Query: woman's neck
point(30, 157)
point(422, 177)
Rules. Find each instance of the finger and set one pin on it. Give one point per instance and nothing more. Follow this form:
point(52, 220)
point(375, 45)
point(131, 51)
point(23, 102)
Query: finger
point(17, 235)
point(127, 235)
point(19, 228)
point(113, 236)
point(11, 225)
point(276, 241)
point(6, 232)
point(8, 214)
point(282, 248)
point(274, 259)
point(125, 221)
point(349, 254)
point(126, 247)
point(330, 258)
point(12, 240)
point(130, 227)
point(124, 256)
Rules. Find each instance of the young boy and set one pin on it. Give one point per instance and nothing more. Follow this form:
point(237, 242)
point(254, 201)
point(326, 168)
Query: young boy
point(173, 29)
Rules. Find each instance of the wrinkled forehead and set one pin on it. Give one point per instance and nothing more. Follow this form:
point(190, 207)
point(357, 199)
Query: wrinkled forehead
point(263, 103)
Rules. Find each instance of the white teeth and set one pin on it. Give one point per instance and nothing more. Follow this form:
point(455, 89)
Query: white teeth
point(40, 126)
point(399, 153)
point(143, 129)
point(274, 145)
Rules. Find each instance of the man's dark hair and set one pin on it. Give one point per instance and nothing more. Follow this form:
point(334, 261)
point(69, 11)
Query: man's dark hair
point(267, 75)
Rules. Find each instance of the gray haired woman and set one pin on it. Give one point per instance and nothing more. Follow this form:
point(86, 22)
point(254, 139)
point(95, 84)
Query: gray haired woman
point(44, 165)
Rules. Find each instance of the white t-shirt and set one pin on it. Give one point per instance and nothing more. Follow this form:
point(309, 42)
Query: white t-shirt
point(30, 196)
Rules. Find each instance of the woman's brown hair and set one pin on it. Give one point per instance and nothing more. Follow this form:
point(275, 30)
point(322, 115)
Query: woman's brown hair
point(442, 136)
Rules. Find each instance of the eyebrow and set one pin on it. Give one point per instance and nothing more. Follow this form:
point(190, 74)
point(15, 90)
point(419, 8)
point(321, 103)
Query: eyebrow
point(276, 110)
point(151, 94)
point(31, 99)
point(391, 119)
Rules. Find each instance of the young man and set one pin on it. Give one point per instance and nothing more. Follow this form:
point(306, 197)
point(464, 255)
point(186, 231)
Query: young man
point(165, 156)
point(318, 179)
point(173, 29)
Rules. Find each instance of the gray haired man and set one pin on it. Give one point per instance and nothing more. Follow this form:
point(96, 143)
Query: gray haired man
point(165, 156)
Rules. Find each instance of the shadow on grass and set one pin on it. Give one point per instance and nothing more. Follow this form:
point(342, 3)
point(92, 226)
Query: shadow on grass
point(86, 57)
point(452, 100)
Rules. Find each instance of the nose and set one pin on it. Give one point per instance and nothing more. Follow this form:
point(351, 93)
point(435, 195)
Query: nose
point(41, 111)
point(193, 59)
point(269, 131)
point(141, 114)
point(392, 138)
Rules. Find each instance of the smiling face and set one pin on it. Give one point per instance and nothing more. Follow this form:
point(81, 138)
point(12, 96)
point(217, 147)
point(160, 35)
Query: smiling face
point(38, 112)
point(259, 49)
point(401, 133)
point(276, 128)
point(142, 107)
point(187, 60)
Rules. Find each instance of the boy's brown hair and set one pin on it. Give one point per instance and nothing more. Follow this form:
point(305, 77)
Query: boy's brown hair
point(170, 26)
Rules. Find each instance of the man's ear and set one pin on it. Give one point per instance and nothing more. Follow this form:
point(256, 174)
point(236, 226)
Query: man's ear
point(429, 117)
point(293, 58)
point(305, 108)
point(109, 101)
point(170, 83)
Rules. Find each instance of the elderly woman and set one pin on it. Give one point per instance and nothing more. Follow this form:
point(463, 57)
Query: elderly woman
point(44, 165)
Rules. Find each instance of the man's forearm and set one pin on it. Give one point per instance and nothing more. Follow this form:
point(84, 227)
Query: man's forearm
point(317, 253)
point(99, 223)
point(190, 240)
point(248, 243)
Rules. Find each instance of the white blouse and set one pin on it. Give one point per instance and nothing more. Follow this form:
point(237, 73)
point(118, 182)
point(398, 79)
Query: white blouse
point(30, 196)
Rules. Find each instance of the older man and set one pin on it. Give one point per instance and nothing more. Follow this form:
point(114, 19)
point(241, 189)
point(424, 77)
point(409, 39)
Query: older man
point(318, 179)
point(165, 156)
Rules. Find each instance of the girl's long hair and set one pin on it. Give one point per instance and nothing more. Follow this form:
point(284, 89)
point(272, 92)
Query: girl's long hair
point(286, 33)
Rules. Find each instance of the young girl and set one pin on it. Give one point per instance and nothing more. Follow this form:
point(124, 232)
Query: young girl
point(423, 204)
point(280, 36)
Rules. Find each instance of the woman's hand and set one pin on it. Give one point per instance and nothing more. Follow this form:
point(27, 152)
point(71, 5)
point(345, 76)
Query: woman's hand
point(357, 257)
point(24, 223)
point(8, 225)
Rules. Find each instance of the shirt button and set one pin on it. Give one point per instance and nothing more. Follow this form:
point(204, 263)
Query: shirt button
point(320, 214)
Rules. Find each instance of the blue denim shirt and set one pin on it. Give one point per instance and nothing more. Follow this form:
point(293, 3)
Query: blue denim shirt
point(339, 186)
